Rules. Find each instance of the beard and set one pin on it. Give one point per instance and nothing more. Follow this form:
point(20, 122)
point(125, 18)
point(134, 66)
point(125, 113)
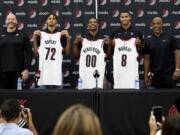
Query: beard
point(52, 25)
point(11, 25)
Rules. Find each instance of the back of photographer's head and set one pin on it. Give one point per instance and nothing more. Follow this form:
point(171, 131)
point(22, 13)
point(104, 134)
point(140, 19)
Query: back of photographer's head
point(10, 110)
point(78, 120)
point(171, 126)
point(177, 105)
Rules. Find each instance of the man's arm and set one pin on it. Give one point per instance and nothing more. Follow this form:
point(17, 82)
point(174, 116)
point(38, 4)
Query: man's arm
point(28, 119)
point(112, 46)
point(146, 68)
point(107, 46)
point(67, 46)
point(139, 42)
point(77, 46)
point(28, 58)
point(35, 43)
point(177, 61)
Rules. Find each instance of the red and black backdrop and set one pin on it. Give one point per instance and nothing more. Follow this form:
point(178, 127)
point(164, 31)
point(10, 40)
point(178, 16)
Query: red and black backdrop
point(74, 14)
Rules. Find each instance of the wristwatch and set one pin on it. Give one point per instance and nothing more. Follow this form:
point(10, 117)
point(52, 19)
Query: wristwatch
point(177, 70)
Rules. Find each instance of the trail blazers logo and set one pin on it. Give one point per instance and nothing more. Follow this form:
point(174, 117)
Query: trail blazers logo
point(66, 2)
point(103, 2)
point(115, 12)
point(152, 2)
point(89, 2)
point(165, 12)
point(176, 2)
point(20, 25)
point(32, 14)
point(20, 3)
point(140, 13)
point(127, 2)
point(78, 13)
point(44, 2)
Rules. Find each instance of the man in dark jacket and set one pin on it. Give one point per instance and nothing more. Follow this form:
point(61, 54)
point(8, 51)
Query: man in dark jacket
point(15, 54)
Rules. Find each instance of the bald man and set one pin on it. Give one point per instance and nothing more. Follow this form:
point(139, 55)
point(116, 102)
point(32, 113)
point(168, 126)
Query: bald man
point(15, 54)
point(162, 57)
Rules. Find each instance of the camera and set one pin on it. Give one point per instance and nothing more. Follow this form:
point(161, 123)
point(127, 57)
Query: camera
point(158, 113)
point(24, 110)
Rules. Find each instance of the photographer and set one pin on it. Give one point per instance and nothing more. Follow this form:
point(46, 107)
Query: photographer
point(11, 113)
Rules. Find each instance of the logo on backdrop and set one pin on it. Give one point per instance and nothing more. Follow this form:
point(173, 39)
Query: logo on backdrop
point(22, 101)
point(115, 12)
point(140, 13)
point(176, 2)
point(32, 14)
point(8, 12)
point(20, 3)
point(177, 25)
point(89, 2)
point(165, 12)
point(66, 73)
point(66, 2)
point(102, 2)
point(78, 13)
point(67, 25)
point(103, 25)
point(127, 2)
point(20, 25)
point(172, 110)
point(44, 2)
point(33, 62)
point(31, 37)
point(152, 2)
point(56, 12)
point(44, 25)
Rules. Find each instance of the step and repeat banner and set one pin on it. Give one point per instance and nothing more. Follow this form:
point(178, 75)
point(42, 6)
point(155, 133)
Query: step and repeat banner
point(73, 16)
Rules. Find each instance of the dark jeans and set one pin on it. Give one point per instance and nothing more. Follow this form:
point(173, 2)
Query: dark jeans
point(8, 80)
point(163, 81)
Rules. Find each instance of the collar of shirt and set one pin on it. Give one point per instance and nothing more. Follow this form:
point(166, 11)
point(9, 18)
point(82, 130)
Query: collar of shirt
point(159, 36)
point(9, 125)
point(11, 33)
point(91, 37)
point(48, 31)
point(126, 30)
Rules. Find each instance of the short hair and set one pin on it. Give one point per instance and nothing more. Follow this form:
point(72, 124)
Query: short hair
point(171, 125)
point(10, 109)
point(53, 15)
point(93, 18)
point(177, 104)
point(78, 120)
point(125, 11)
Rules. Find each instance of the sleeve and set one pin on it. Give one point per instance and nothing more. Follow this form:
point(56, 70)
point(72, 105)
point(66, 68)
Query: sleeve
point(27, 53)
point(147, 47)
point(139, 34)
point(174, 43)
point(38, 41)
point(63, 41)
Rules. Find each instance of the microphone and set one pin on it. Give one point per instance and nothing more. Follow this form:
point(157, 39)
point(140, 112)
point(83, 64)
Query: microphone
point(96, 74)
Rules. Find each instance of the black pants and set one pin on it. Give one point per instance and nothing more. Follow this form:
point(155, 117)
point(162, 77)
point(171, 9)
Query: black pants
point(8, 80)
point(163, 81)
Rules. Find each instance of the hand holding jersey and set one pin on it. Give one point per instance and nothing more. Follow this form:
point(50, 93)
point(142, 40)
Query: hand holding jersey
point(125, 64)
point(91, 52)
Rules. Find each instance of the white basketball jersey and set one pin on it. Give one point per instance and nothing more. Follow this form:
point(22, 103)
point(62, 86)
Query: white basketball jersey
point(50, 59)
point(92, 57)
point(125, 64)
